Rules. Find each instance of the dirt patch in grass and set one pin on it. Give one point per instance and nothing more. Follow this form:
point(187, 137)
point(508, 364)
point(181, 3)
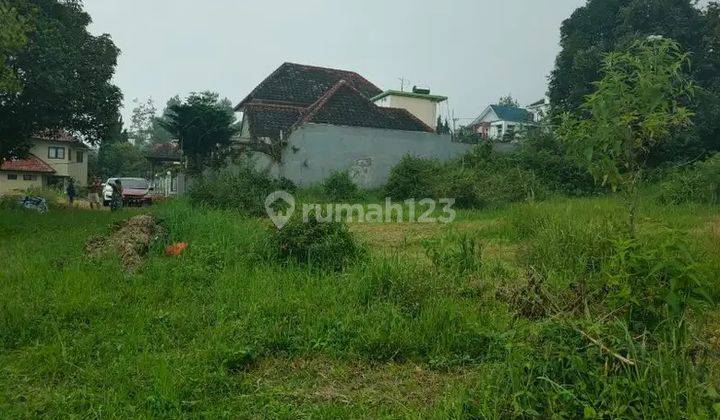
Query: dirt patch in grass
point(407, 238)
point(130, 240)
point(321, 380)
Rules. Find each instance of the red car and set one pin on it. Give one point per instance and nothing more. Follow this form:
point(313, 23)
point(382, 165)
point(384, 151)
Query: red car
point(136, 191)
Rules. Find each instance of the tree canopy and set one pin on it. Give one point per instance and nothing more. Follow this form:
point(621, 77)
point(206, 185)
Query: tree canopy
point(13, 36)
point(508, 101)
point(203, 124)
point(603, 26)
point(64, 78)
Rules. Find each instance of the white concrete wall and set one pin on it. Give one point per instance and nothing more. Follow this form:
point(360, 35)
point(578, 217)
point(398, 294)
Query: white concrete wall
point(315, 151)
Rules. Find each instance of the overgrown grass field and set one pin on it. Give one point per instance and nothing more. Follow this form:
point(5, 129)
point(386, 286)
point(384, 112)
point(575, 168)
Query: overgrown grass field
point(438, 320)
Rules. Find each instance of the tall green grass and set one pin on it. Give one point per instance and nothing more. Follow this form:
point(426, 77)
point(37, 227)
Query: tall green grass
point(203, 334)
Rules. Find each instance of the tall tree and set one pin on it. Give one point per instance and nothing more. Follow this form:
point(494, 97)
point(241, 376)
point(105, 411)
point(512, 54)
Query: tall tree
point(65, 78)
point(204, 125)
point(159, 135)
point(13, 37)
point(141, 122)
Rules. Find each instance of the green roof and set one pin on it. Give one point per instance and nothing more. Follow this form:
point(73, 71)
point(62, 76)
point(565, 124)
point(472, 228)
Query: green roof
point(512, 113)
point(434, 98)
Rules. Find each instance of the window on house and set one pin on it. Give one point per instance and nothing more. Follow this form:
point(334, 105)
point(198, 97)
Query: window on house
point(12, 176)
point(56, 152)
point(80, 157)
point(29, 177)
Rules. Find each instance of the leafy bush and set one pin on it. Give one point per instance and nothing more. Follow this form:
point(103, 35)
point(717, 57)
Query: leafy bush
point(244, 189)
point(413, 177)
point(339, 186)
point(327, 245)
point(654, 279)
point(697, 184)
point(458, 183)
point(9, 202)
point(507, 186)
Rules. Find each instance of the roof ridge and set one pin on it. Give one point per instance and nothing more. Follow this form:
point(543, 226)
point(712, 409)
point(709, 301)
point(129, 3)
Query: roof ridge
point(267, 104)
point(261, 84)
point(314, 108)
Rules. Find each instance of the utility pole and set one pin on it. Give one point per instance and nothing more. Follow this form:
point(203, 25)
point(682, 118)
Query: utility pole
point(402, 84)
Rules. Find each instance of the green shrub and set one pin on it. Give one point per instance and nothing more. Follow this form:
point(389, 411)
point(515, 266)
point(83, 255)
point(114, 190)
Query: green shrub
point(698, 184)
point(327, 245)
point(339, 186)
point(9, 202)
point(459, 183)
point(507, 186)
point(413, 177)
point(653, 280)
point(244, 189)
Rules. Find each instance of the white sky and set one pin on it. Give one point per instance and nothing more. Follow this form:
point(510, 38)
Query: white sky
point(473, 51)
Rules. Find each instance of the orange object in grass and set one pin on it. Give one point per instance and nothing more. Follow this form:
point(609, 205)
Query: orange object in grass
point(175, 249)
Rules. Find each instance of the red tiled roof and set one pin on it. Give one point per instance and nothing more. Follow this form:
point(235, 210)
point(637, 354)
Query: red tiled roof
point(31, 164)
point(60, 136)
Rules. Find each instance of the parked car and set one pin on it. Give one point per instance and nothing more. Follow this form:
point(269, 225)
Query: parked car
point(136, 191)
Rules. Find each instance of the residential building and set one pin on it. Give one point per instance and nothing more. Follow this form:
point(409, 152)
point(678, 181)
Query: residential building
point(53, 160)
point(305, 122)
point(419, 102)
point(539, 109)
point(498, 122)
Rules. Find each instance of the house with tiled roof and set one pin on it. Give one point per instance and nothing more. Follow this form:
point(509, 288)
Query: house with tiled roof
point(305, 122)
point(52, 160)
point(502, 122)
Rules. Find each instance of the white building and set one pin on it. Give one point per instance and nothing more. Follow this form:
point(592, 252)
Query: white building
point(539, 109)
point(419, 102)
point(499, 122)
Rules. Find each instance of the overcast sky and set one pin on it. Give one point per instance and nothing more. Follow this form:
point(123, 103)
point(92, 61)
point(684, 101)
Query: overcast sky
point(473, 51)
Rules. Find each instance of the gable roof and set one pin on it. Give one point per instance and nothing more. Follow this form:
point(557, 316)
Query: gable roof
point(30, 164)
point(303, 85)
point(345, 105)
point(512, 113)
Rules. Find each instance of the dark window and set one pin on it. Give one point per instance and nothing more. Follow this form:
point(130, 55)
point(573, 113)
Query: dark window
point(80, 157)
point(28, 177)
point(12, 176)
point(56, 152)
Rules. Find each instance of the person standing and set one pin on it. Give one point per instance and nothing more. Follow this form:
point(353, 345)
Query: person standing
point(94, 193)
point(116, 201)
point(70, 190)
